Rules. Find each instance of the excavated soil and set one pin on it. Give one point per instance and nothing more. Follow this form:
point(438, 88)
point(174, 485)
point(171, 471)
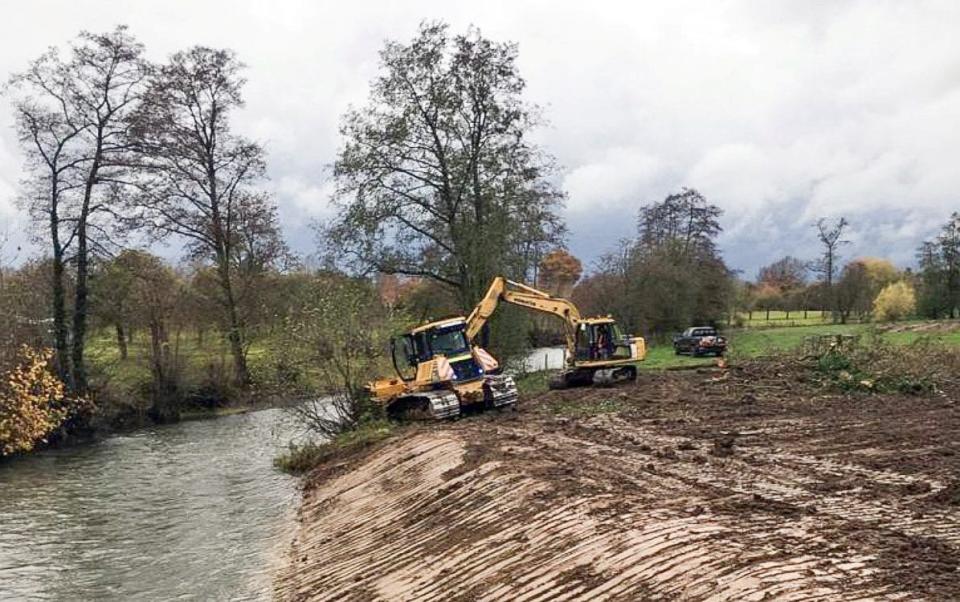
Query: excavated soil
point(746, 484)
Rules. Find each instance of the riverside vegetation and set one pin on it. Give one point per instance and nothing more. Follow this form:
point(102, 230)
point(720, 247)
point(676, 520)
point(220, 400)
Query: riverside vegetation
point(438, 188)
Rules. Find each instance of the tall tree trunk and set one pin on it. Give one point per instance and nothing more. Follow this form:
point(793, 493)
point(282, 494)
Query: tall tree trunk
point(236, 345)
point(80, 311)
point(59, 300)
point(235, 334)
point(83, 268)
point(121, 341)
point(59, 296)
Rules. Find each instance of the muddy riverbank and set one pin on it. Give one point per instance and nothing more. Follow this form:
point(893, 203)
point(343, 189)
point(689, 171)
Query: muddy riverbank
point(745, 484)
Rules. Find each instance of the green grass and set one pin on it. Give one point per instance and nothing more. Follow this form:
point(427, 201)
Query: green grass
point(299, 459)
point(197, 361)
point(755, 342)
point(533, 383)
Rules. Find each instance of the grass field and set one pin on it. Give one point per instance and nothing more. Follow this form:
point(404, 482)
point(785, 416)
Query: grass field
point(751, 342)
point(758, 342)
point(128, 380)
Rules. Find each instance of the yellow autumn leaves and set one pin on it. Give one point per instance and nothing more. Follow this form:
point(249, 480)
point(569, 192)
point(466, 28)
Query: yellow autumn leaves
point(33, 401)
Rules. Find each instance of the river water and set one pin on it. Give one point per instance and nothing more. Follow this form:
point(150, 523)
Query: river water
point(187, 511)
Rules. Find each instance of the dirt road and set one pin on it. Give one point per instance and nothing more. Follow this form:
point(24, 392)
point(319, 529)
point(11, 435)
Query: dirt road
point(750, 484)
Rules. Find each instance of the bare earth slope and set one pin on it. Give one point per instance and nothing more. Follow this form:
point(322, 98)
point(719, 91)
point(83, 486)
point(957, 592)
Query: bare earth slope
point(740, 485)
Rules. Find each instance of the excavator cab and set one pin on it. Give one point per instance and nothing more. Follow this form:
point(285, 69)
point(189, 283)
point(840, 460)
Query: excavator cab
point(601, 339)
point(445, 339)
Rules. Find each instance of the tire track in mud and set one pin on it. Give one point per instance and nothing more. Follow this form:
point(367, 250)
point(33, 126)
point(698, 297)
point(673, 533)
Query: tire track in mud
point(364, 549)
point(652, 503)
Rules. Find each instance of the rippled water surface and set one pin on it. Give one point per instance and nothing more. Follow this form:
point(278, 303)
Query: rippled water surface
point(190, 511)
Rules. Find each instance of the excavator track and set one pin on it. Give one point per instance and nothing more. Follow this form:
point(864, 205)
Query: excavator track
point(585, 377)
point(611, 376)
point(429, 405)
point(500, 391)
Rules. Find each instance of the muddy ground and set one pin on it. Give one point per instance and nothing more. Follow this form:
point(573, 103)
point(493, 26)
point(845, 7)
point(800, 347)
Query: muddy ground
point(747, 484)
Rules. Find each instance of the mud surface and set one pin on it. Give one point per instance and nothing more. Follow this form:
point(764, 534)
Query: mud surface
point(746, 484)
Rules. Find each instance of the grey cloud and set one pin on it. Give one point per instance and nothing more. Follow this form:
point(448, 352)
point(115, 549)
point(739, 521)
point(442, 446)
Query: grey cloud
point(777, 112)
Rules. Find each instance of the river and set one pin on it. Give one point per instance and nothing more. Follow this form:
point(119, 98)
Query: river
point(187, 511)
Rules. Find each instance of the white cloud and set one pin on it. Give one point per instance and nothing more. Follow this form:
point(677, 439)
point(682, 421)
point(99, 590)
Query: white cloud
point(778, 112)
point(617, 178)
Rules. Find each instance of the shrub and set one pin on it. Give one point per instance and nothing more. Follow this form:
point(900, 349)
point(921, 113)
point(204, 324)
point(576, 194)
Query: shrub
point(895, 301)
point(33, 402)
point(300, 459)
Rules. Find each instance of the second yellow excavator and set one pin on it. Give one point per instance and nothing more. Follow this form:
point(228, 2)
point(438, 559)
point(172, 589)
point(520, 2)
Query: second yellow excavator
point(441, 370)
point(597, 351)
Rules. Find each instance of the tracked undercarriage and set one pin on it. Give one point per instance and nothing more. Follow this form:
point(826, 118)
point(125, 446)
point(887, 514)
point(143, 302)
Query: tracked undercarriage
point(585, 377)
point(498, 391)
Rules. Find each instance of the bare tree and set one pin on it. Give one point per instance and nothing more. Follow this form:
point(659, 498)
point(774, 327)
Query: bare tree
point(202, 173)
point(830, 235)
point(71, 115)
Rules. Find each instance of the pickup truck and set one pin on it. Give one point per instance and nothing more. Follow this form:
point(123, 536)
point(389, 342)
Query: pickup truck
point(700, 340)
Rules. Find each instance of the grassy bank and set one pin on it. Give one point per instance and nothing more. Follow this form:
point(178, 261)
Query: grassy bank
point(299, 459)
point(202, 369)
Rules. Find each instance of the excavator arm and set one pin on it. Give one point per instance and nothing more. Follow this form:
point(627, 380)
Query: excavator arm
point(515, 293)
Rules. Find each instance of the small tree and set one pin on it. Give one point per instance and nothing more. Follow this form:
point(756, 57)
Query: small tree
point(203, 174)
point(894, 302)
point(559, 271)
point(335, 334)
point(852, 293)
point(33, 402)
point(939, 275)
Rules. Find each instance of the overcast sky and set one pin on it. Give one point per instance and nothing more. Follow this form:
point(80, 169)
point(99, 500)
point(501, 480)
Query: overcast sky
point(778, 112)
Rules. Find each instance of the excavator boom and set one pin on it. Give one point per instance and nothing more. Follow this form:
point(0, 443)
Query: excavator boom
point(596, 352)
point(516, 293)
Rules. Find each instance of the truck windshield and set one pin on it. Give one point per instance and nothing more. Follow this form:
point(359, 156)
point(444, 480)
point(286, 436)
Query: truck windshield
point(448, 341)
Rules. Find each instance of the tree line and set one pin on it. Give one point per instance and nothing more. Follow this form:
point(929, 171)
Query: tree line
point(119, 147)
point(439, 188)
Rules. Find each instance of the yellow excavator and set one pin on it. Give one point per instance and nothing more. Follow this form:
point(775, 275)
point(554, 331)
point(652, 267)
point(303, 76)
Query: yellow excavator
point(597, 351)
point(442, 370)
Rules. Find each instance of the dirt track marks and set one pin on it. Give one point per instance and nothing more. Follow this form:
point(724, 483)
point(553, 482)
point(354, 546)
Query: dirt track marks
point(696, 497)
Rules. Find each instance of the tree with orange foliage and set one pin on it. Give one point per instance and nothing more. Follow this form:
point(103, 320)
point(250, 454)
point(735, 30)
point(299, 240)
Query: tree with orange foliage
point(559, 271)
point(33, 402)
